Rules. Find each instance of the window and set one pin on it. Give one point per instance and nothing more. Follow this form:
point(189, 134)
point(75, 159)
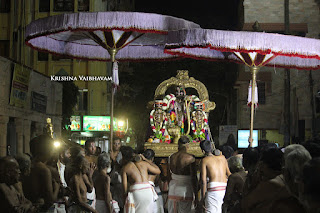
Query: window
point(82, 104)
point(63, 5)
point(83, 5)
point(4, 6)
point(58, 57)
point(42, 56)
point(261, 92)
point(4, 48)
point(44, 6)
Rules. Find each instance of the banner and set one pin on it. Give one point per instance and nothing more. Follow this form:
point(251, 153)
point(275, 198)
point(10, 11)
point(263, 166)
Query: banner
point(19, 88)
point(38, 102)
point(75, 123)
point(98, 123)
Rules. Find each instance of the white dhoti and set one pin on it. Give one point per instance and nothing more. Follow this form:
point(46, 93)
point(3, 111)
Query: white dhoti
point(140, 198)
point(158, 204)
point(92, 198)
point(180, 195)
point(115, 207)
point(214, 197)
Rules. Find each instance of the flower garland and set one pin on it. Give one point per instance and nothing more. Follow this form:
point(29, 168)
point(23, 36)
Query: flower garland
point(193, 98)
point(167, 100)
point(158, 132)
point(199, 133)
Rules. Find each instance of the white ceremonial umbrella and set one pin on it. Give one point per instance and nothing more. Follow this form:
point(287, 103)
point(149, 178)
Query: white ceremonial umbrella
point(254, 49)
point(106, 36)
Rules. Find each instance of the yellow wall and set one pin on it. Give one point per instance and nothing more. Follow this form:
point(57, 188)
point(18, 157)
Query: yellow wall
point(97, 91)
point(273, 136)
point(4, 26)
point(308, 135)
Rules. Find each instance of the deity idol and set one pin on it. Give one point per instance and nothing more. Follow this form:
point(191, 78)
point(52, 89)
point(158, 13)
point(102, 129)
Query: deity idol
point(158, 122)
point(199, 122)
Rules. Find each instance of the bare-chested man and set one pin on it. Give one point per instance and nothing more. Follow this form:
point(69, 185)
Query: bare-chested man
point(24, 162)
point(102, 184)
point(141, 195)
point(74, 152)
point(183, 186)
point(92, 158)
point(40, 186)
point(215, 168)
point(115, 154)
point(79, 187)
point(91, 149)
point(154, 181)
point(10, 199)
point(115, 175)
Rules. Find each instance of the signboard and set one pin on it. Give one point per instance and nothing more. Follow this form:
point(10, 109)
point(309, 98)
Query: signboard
point(225, 131)
point(98, 123)
point(19, 88)
point(243, 136)
point(38, 102)
point(75, 123)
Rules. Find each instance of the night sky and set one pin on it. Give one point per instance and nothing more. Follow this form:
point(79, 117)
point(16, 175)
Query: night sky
point(218, 77)
point(209, 14)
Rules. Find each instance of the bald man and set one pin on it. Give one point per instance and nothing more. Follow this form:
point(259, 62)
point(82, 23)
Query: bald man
point(10, 199)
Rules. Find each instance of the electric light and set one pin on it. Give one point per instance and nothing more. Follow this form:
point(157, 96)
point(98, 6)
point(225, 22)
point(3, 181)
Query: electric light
point(56, 144)
point(120, 123)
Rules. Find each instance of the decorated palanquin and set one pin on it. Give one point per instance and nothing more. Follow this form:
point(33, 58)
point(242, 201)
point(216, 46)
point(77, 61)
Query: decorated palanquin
point(175, 115)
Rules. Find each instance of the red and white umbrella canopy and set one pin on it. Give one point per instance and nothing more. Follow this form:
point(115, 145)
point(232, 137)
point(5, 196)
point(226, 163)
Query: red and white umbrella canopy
point(255, 49)
point(251, 48)
point(135, 36)
point(105, 36)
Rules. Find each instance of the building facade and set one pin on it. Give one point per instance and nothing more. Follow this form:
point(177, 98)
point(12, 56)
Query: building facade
point(304, 16)
point(95, 96)
point(27, 98)
point(16, 14)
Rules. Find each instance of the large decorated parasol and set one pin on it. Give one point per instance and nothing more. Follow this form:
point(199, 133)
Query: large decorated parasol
point(106, 36)
point(254, 49)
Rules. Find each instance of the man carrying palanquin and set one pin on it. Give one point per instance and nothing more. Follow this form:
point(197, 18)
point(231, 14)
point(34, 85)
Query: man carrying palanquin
point(215, 168)
point(183, 183)
point(141, 195)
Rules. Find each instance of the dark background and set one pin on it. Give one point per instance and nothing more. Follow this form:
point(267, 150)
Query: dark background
point(138, 80)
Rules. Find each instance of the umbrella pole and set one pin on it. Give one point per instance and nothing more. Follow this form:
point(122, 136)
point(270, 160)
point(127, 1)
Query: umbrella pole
point(112, 53)
point(254, 71)
point(111, 116)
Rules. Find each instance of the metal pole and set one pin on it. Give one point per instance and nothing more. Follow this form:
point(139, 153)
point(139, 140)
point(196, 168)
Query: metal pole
point(112, 53)
point(111, 117)
point(254, 71)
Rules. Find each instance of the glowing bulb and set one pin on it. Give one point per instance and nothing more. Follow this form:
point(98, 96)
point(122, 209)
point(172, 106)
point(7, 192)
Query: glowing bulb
point(120, 123)
point(56, 144)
